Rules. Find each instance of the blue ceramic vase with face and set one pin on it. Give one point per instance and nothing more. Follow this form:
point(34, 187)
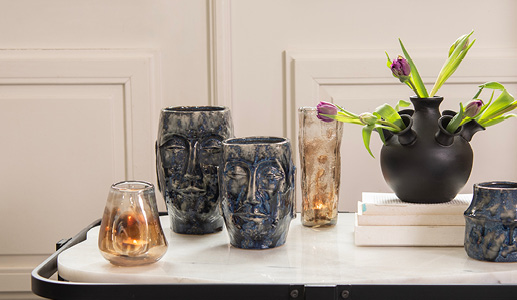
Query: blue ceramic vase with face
point(188, 154)
point(490, 222)
point(257, 180)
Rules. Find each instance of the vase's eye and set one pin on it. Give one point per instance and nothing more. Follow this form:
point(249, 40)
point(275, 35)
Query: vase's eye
point(236, 179)
point(174, 153)
point(210, 151)
point(212, 145)
point(237, 172)
point(270, 176)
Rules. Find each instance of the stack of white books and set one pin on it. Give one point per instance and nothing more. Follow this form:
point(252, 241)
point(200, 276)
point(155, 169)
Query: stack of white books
point(384, 220)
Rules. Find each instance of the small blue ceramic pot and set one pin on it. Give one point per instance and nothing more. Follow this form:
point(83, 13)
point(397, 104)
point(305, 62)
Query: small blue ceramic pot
point(490, 222)
point(257, 180)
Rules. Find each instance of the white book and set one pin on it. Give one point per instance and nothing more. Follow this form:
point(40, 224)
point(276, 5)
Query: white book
point(410, 220)
point(434, 236)
point(389, 204)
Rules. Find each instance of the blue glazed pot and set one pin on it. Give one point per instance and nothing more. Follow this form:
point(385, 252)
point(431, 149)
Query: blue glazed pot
point(188, 154)
point(490, 222)
point(257, 180)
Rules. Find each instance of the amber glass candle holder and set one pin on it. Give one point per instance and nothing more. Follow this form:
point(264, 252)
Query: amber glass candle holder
point(130, 233)
point(319, 144)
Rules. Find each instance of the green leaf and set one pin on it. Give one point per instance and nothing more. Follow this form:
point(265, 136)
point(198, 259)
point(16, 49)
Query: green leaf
point(419, 85)
point(402, 103)
point(367, 133)
point(455, 122)
point(452, 63)
point(484, 107)
point(390, 115)
point(497, 120)
point(381, 135)
point(507, 109)
point(345, 119)
point(388, 64)
point(346, 112)
point(380, 126)
point(492, 85)
point(498, 106)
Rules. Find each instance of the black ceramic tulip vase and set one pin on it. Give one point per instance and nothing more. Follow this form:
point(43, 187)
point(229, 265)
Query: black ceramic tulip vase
point(424, 163)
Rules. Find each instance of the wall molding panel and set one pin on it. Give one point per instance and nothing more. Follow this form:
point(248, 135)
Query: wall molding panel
point(220, 52)
point(113, 99)
point(134, 70)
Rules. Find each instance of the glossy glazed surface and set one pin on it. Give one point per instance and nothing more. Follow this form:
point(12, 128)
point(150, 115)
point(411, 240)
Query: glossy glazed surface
point(257, 178)
point(490, 222)
point(188, 153)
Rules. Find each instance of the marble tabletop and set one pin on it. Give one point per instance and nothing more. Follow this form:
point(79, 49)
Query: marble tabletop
point(320, 256)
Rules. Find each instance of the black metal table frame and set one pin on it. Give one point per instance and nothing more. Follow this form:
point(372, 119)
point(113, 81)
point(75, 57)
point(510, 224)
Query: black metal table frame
point(44, 286)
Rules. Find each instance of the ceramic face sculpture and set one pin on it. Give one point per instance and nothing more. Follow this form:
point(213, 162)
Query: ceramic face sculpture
point(188, 153)
point(257, 191)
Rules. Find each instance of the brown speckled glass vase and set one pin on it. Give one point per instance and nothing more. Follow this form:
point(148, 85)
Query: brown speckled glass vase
point(320, 163)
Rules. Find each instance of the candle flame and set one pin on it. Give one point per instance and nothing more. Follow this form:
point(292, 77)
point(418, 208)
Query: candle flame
point(134, 242)
point(318, 205)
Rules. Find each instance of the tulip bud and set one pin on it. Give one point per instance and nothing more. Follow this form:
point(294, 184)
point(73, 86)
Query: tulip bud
point(367, 118)
point(456, 44)
point(401, 69)
point(326, 108)
point(473, 108)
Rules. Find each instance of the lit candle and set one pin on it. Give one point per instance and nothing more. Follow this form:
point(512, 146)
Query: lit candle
point(131, 246)
point(318, 205)
point(319, 209)
point(130, 238)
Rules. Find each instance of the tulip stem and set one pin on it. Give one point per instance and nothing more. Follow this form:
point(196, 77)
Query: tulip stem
point(413, 87)
point(479, 92)
point(397, 129)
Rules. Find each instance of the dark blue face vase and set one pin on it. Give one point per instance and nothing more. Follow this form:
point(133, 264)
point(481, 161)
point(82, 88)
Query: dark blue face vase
point(188, 154)
point(257, 191)
point(490, 222)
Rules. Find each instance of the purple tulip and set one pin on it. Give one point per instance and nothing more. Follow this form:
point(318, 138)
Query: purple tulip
point(401, 69)
point(326, 108)
point(473, 108)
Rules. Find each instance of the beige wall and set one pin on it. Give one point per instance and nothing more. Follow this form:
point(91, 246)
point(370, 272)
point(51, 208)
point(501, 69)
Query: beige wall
point(262, 30)
point(238, 53)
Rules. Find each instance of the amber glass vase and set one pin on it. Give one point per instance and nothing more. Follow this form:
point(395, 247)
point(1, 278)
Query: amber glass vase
point(319, 145)
point(130, 233)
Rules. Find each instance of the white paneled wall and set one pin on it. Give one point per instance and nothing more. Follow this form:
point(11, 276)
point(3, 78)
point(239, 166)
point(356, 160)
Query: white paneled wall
point(82, 83)
point(73, 122)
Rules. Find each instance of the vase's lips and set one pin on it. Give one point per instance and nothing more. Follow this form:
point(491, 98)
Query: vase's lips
point(250, 216)
point(192, 190)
